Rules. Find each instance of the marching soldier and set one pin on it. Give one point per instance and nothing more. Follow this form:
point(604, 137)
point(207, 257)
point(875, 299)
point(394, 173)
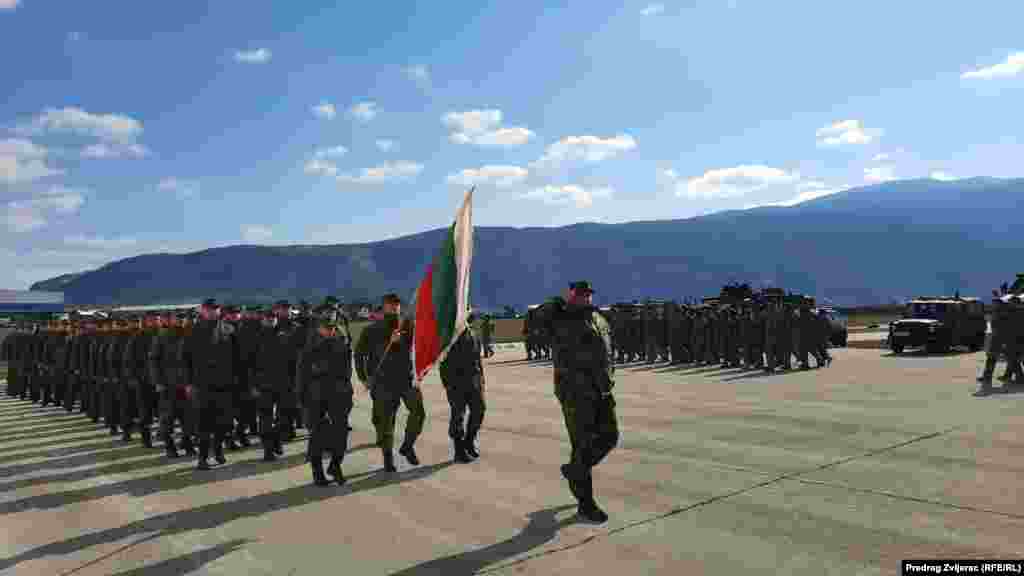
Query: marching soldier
point(324, 388)
point(584, 377)
point(462, 374)
point(211, 353)
point(384, 363)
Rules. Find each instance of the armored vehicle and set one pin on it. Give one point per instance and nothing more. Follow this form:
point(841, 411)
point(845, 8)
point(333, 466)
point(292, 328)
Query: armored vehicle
point(939, 324)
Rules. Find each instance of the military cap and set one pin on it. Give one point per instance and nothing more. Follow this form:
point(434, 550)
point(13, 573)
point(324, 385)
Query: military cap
point(581, 286)
point(331, 301)
point(210, 303)
point(391, 298)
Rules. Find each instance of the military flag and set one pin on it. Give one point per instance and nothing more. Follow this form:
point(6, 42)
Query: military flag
point(443, 295)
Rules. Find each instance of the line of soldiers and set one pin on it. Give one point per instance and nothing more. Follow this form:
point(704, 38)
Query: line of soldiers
point(224, 376)
point(1006, 341)
point(753, 334)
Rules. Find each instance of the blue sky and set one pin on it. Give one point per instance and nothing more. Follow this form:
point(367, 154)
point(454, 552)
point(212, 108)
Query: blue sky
point(133, 127)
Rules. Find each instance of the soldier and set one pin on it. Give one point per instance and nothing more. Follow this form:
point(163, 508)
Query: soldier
point(241, 398)
point(823, 331)
point(136, 388)
point(584, 377)
point(1011, 339)
point(462, 374)
point(487, 335)
point(801, 337)
point(997, 343)
point(324, 388)
point(384, 364)
point(211, 352)
point(113, 363)
point(772, 318)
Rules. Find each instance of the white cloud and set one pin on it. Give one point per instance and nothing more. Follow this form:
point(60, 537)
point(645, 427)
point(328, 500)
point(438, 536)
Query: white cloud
point(34, 213)
point(385, 145)
point(363, 111)
point(498, 176)
point(325, 110)
point(942, 176)
point(732, 182)
point(23, 161)
point(260, 56)
point(882, 157)
point(879, 174)
point(105, 127)
point(653, 10)
point(570, 194)
point(332, 152)
point(106, 151)
point(99, 242)
point(256, 233)
point(183, 189)
point(586, 149)
point(74, 36)
point(845, 132)
point(9, 4)
point(386, 172)
point(319, 167)
point(483, 128)
point(1012, 66)
point(418, 74)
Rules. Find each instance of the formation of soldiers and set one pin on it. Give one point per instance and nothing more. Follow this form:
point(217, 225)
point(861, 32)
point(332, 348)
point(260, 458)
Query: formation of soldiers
point(1007, 338)
point(212, 381)
point(766, 331)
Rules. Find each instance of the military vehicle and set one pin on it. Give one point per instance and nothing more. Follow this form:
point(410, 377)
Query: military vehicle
point(939, 323)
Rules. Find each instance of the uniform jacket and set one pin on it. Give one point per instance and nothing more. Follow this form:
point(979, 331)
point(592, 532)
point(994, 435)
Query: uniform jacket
point(462, 366)
point(395, 372)
point(582, 353)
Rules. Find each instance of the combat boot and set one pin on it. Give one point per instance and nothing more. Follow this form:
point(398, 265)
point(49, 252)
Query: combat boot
point(410, 454)
point(204, 454)
point(218, 452)
point(588, 508)
point(126, 433)
point(147, 437)
point(169, 448)
point(187, 446)
point(318, 472)
point(461, 455)
point(567, 473)
point(334, 470)
point(389, 461)
point(470, 444)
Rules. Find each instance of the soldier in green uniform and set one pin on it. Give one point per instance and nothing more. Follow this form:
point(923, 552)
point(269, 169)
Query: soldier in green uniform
point(584, 376)
point(462, 374)
point(384, 364)
point(324, 389)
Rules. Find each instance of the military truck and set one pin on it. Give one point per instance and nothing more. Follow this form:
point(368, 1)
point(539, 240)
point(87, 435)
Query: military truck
point(939, 323)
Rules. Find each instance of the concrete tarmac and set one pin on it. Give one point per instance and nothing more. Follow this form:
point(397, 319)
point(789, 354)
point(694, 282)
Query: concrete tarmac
point(844, 470)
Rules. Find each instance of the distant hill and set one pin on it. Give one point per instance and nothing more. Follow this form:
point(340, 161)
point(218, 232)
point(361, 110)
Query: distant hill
point(865, 246)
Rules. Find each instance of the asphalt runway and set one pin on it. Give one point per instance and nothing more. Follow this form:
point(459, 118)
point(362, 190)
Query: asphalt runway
point(844, 470)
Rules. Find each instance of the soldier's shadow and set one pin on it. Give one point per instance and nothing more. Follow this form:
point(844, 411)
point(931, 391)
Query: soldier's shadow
point(210, 516)
point(542, 527)
point(187, 563)
point(924, 353)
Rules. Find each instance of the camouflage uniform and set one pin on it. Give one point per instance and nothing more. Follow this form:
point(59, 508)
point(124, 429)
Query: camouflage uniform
point(389, 378)
point(584, 377)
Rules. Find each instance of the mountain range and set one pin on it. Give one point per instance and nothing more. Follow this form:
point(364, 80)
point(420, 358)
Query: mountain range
point(865, 246)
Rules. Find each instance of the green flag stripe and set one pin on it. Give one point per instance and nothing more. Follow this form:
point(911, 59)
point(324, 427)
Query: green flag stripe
point(444, 286)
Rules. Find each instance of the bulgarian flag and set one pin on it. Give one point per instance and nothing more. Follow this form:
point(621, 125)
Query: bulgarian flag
point(443, 294)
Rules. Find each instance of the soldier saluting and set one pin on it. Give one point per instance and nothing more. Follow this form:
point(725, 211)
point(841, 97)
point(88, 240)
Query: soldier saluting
point(584, 376)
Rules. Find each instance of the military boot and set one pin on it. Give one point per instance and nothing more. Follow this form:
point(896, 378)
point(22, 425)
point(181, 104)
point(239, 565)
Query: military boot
point(126, 433)
point(389, 461)
point(470, 445)
point(187, 446)
point(588, 508)
point(318, 472)
point(218, 449)
point(270, 445)
point(461, 455)
point(169, 448)
point(409, 453)
point(334, 470)
point(147, 436)
point(567, 473)
point(242, 436)
point(204, 453)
